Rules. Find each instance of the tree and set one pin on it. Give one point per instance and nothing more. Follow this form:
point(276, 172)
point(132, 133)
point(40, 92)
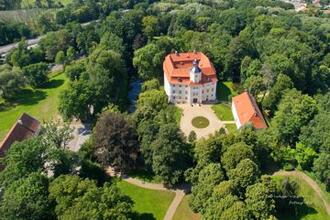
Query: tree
point(150, 84)
point(295, 111)
point(237, 211)
point(315, 134)
point(60, 57)
point(76, 101)
point(150, 103)
point(150, 26)
point(75, 70)
point(36, 74)
point(27, 198)
point(282, 84)
point(304, 156)
point(235, 154)
point(11, 82)
point(81, 199)
point(322, 168)
point(56, 133)
point(208, 178)
point(20, 57)
point(171, 155)
point(245, 174)
point(115, 141)
point(107, 75)
point(192, 137)
point(259, 201)
point(149, 59)
point(70, 54)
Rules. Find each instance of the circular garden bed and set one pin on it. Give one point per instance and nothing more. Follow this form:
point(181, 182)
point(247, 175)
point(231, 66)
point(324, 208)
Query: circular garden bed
point(200, 122)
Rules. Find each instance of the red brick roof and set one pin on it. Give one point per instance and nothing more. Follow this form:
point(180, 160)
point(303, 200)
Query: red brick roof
point(248, 110)
point(177, 67)
point(25, 127)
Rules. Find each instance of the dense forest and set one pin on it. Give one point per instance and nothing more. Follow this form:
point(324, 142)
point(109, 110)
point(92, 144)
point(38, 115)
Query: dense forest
point(280, 56)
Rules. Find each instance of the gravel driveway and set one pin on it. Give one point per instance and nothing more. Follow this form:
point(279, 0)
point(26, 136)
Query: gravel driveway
point(190, 112)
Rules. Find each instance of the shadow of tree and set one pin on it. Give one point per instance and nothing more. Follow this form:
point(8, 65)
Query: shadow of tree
point(296, 209)
point(143, 216)
point(29, 97)
point(54, 83)
point(223, 92)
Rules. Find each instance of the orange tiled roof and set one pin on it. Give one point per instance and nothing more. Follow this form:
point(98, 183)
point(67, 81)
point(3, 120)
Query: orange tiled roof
point(248, 110)
point(25, 127)
point(177, 67)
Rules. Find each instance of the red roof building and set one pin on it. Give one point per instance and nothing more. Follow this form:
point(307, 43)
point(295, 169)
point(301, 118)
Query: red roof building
point(25, 127)
point(246, 110)
point(189, 77)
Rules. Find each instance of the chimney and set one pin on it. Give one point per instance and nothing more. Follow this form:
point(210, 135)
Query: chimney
point(177, 53)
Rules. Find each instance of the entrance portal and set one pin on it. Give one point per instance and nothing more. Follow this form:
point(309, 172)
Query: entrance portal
point(195, 100)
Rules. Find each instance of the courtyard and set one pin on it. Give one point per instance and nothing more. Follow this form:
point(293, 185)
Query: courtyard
point(201, 119)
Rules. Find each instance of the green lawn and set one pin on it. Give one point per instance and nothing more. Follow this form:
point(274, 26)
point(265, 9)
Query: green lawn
point(184, 212)
point(149, 204)
point(40, 103)
point(311, 209)
point(200, 122)
point(231, 128)
point(223, 111)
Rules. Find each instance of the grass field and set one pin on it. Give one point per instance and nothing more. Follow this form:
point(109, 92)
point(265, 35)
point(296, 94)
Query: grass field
point(223, 112)
point(311, 209)
point(200, 122)
point(184, 212)
point(149, 204)
point(40, 103)
point(231, 128)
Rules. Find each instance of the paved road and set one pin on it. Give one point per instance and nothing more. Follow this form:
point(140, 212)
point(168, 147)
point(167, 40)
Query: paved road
point(310, 182)
point(31, 42)
point(190, 112)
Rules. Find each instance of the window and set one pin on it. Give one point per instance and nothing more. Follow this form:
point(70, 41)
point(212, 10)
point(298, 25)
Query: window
point(173, 91)
point(180, 86)
point(186, 92)
point(180, 92)
point(186, 86)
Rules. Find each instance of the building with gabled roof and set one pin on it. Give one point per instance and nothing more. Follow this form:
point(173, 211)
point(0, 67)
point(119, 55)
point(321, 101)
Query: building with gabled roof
point(246, 110)
point(25, 127)
point(189, 78)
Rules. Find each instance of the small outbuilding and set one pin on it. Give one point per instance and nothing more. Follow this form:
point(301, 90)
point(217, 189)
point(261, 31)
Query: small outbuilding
point(25, 127)
point(246, 110)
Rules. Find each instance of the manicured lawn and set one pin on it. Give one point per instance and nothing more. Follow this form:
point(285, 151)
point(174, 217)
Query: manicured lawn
point(311, 209)
point(184, 212)
point(200, 122)
point(223, 112)
point(149, 204)
point(225, 90)
point(40, 103)
point(231, 128)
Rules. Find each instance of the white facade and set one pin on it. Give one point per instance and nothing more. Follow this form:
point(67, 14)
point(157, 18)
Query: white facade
point(193, 92)
point(237, 121)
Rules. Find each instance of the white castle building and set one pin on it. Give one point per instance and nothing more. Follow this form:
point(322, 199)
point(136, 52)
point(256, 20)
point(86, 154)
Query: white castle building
point(189, 78)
